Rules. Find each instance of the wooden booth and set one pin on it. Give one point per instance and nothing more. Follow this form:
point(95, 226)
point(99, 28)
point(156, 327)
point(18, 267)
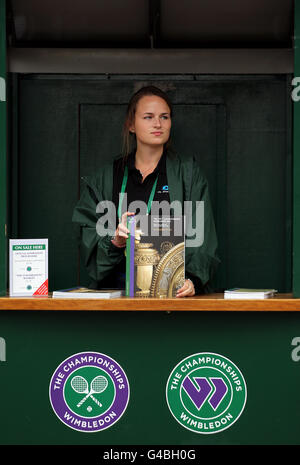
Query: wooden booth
point(67, 71)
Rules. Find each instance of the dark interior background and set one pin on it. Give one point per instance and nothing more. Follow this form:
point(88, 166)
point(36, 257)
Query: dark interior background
point(151, 23)
point(63, 125)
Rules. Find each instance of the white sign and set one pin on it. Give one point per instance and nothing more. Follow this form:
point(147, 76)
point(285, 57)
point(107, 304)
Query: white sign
point(28, 274)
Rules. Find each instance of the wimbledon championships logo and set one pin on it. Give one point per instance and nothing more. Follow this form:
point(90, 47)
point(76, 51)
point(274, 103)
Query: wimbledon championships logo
point(206, 393)
point(89, 392)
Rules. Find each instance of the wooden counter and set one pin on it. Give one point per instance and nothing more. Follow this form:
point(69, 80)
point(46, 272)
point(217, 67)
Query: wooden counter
point(211, 302)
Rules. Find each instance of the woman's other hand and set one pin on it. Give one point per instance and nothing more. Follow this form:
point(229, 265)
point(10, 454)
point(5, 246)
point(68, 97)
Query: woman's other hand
point(187, 290)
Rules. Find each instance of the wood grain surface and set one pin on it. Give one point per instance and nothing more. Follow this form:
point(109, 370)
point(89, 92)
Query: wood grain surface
point(210, 302)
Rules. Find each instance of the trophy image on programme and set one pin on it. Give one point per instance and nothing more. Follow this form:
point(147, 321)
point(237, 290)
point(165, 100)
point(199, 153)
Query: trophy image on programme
point(155, 256)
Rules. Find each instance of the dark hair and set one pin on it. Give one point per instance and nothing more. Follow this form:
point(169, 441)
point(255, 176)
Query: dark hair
point(129, 139)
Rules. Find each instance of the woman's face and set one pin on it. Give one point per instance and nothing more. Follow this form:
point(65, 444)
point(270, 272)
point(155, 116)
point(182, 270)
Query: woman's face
point(152, 123)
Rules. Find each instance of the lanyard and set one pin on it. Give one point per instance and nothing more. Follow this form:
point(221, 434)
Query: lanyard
point(124, 183)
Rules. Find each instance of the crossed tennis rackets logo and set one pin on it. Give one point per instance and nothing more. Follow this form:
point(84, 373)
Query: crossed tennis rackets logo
point(81, 386)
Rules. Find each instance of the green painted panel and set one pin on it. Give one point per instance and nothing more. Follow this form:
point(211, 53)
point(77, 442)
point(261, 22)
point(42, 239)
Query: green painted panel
point(48, 175)
point(3, 129)
point(296, 150)
point(148, 345)
point(100, 129)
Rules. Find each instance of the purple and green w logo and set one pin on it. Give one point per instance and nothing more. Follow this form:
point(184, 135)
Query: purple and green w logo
point(201, 390)
point(206, 393)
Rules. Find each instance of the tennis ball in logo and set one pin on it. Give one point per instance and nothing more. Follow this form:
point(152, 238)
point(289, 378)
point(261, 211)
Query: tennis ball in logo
point(206, 393)
point(89, 391)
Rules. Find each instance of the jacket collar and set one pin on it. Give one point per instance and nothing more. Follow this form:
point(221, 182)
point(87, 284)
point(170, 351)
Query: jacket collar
point(161, 166)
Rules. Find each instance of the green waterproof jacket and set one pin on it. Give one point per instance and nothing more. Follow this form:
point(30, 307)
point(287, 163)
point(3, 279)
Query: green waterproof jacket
point(186, 183)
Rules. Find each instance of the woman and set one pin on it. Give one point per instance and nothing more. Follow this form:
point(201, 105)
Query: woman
point(146, 166)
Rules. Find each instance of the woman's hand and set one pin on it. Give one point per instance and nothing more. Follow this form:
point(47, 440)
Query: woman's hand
point(121, 233)
point(187, 290)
